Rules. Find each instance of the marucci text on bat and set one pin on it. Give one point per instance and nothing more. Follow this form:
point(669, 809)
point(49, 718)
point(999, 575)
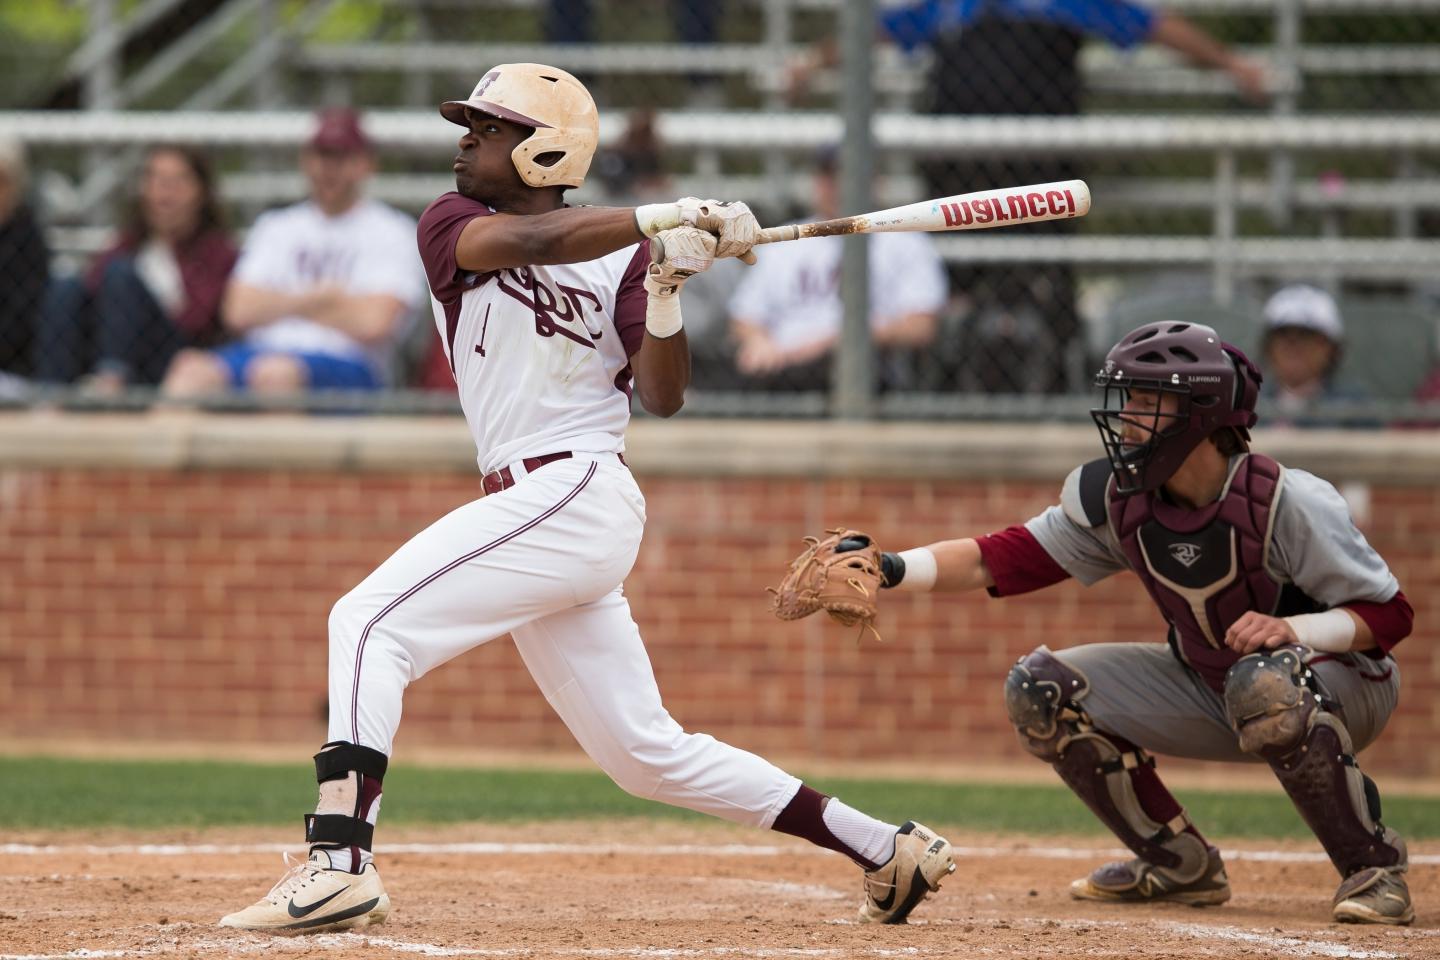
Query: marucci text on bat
point(1016, 206)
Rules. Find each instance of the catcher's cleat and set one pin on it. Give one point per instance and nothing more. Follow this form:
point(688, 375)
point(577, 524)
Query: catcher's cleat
point(311, 898)
point(1139, 881)
point(1374, 895)
point(922, 859)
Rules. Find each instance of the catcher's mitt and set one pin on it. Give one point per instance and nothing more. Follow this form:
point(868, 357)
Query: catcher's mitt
point(840, 575)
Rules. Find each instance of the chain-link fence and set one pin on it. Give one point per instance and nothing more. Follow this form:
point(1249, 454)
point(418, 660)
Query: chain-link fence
point(1234, 149)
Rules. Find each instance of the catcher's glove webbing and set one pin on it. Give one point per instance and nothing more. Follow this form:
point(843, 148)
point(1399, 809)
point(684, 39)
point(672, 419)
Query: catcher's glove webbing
point(840, 575)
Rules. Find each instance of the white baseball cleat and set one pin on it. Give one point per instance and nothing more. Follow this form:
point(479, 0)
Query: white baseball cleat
point(312, 898)
point(922, 859)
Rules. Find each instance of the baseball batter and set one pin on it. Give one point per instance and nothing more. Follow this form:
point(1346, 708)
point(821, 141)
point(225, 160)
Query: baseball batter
point(1281, 619)
point(549, 315)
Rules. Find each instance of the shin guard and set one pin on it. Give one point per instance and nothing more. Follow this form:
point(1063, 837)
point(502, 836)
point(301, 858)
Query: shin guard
point(1274, 703)
point(1043, 697)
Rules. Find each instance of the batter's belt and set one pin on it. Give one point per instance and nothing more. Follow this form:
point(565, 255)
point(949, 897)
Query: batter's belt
point(504, 478)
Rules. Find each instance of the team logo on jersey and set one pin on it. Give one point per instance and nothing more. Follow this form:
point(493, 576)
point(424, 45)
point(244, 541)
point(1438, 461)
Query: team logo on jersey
point(1186, 553)
point(555, 314)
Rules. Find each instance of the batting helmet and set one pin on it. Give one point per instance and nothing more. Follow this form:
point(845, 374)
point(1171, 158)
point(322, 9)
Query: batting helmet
point(1215, 383)
point(555, 104)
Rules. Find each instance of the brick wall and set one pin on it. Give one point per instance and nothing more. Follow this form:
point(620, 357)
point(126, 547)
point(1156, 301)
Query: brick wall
point(140, 603)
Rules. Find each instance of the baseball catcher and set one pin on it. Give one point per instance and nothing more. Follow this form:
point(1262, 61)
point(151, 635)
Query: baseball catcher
point(1281, 619)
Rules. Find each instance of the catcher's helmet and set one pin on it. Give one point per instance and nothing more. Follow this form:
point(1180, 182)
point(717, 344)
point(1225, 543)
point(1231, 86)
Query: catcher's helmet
point(1215, 383)
point(553, 102)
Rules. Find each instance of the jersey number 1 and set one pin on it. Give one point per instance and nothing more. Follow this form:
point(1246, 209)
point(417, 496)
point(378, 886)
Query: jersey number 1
point(480, 347)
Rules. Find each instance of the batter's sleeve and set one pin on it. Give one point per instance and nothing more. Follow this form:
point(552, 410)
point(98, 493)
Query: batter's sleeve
point(437, 233)
point(1317, 547)
point(630, 299)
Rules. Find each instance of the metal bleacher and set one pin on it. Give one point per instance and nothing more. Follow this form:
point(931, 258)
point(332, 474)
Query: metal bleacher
point(1185, 178)
point(715, 151)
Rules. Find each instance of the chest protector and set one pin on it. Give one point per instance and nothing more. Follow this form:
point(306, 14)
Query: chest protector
point(1205, 568)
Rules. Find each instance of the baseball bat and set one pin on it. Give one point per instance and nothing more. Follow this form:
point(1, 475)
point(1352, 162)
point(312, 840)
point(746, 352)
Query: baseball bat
point(980, 210)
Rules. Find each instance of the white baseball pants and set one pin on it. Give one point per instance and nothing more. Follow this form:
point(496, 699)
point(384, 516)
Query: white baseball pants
point(543, 561)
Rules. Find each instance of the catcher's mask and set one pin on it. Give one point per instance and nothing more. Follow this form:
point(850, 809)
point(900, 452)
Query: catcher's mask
point(1214, 386)
point(560, 110)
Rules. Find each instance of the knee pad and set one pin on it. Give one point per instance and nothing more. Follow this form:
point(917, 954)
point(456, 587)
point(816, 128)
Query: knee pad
point(1270, 700)
point(349, 776)
point(1042, 696)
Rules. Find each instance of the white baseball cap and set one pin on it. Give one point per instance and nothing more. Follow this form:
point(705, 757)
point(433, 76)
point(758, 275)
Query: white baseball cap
point(1309, 308)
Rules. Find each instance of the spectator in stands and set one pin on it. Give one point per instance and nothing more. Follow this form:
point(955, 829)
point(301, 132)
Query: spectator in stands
point(1022, 57)
point(322, 289)
point(634, 168)
point(24, 265)
point(786, 315)
point(1300, 350)
point(155, 290)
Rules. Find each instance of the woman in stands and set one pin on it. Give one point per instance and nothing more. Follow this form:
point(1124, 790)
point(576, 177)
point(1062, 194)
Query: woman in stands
point(156, 289)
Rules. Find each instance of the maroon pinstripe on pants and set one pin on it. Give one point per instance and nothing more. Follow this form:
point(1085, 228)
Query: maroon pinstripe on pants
point(498, 541)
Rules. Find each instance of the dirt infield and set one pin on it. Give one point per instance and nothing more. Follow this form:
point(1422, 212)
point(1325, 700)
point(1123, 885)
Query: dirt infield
point(648, 890)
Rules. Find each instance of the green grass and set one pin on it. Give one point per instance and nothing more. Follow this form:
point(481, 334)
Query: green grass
point(44, 793)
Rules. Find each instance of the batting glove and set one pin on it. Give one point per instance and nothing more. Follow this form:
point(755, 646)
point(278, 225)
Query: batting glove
point(732, 224)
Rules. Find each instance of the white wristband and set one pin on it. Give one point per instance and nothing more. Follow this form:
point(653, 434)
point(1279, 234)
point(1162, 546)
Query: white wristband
point(651, 218)
point(662, 315)
point(920, 570)
point(1330, 632)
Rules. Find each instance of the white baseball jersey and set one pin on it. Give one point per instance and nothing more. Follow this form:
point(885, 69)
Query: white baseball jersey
point(541, 355)
point(368, 249)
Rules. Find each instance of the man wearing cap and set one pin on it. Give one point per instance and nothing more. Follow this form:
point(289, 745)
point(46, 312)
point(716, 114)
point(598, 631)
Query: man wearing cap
point(322, 288)
point(1301, 349)
point(550, 316)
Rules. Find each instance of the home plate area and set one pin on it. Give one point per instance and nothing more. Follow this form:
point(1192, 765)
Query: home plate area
point(664, 890)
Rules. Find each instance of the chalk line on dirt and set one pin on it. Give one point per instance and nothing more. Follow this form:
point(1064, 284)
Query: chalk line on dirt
point(608, 849)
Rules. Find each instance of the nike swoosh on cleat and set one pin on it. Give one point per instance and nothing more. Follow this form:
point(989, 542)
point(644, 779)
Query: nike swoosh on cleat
point(298, 911)
point(354, 911)
point(889, 901)
point(918, 888)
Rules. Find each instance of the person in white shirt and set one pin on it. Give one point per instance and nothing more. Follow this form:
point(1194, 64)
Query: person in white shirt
point(786, 314)
point(1301, 348)
point(322, 288)
point(550, 315)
